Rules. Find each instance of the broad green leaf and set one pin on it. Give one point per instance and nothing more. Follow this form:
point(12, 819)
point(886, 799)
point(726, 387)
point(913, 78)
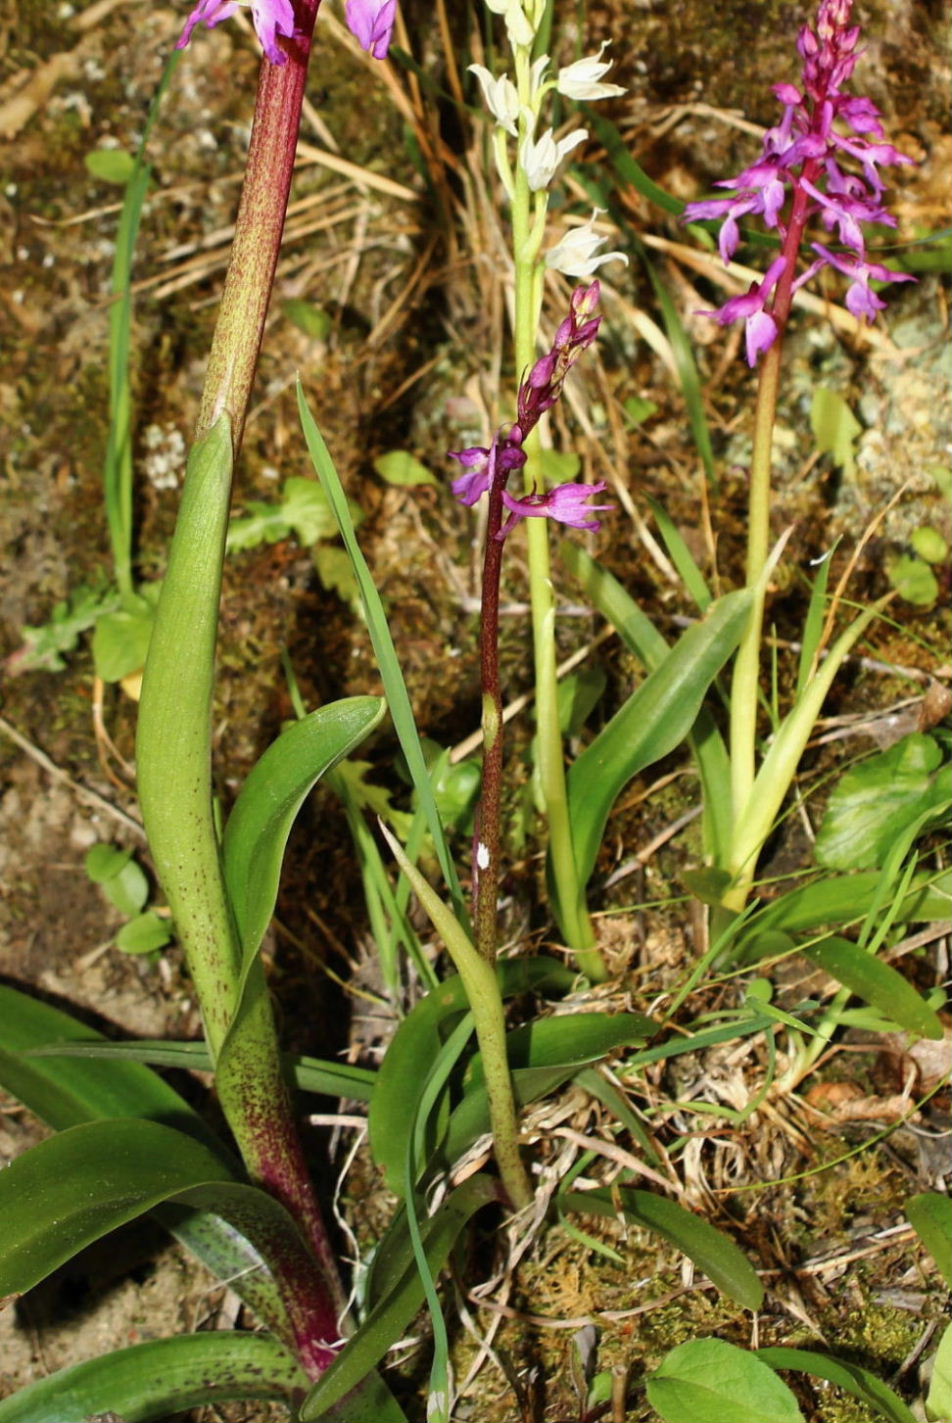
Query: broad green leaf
point(336, 573)
point(416, 1042)
point(654, 720)
point(929, 544)
point(260, 822)
point(710, 1381)
point(399, 1293)
point(154, 1380)
point(144, 934)
point(858, 1382)
point(311, 319)
point(939, 1397)
point(710, 1249)
point(578, 695)
point(930, 1216)
point(129, 889)
point(66, 1093)
point(912, 579)
point(876, 983)
point(302, 510)
point(642, 639)
point(559, 466)
point(110, 165)
point(399, 467)
point(542, 1055)
point(76, 1186)
point(121, 638)
point(835, 428)
point(567, 1040)
point(44, 646)
point(878, 799)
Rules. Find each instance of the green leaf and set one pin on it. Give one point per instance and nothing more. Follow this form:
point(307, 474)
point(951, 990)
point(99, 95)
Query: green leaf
point(310, 1074)
point(939, 1397)
point(311, 319)
point(930, 1216)
point(337, 576)
point(44, 646)
point(129, 889)
point(68, 1092)
point(929, 544)
point(844, 899)
point(637, 409)
point(76, 1186)
point(400, 468)
point(144, 934)
point(912, 579)
point(418, 1040)
point(654, 720)
point(400, 1293)
point(559, 466)
point(710, 1249)
point(682, 557)
point(302, 510)
point(642, 639)
point(567, 1040)
point(710, 1381)
point(121, 637)
point(110, 165)
point(153, 1380)
point(835, 428)
point(260, 822)
point(876, 983)
point(398, 698)
point(850, 1377)
point(879, 799)
point(578, 695)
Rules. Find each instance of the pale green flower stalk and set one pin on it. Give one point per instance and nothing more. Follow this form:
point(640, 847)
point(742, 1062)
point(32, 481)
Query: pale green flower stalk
point(527, 162)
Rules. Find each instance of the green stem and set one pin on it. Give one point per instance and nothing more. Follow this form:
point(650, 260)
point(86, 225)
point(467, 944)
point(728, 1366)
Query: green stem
point(745, 684)
point(568, 891)
point(485, 1002)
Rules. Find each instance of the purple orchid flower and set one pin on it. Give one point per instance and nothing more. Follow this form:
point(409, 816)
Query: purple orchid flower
point(371, 23)
point(271, 18)
point(568, 503)
point(799, 178)
point(488, 470)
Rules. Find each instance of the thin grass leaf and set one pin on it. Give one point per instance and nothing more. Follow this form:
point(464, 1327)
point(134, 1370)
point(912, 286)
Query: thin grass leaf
point(813, 622)
point(850, 1377)
point(681, 556)
point(398, 698)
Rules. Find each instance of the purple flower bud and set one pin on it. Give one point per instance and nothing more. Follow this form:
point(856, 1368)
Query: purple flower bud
point(371, 23)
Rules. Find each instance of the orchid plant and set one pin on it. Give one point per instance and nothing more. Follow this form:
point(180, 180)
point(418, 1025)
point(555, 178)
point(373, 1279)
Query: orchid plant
point(125, 1142)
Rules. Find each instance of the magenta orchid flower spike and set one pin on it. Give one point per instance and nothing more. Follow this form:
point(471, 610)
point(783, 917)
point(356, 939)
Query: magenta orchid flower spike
point(485, 469)
point(271, 19)
point(799, 177)
point(370, 21)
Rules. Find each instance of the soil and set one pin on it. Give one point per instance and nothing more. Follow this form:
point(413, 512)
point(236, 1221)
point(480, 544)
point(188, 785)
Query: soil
point(410, 352)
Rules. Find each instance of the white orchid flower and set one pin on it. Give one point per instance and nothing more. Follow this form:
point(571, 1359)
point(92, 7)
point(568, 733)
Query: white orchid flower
point(577, 255)
point(582, 80)
point(539, 158)
point(502, 99)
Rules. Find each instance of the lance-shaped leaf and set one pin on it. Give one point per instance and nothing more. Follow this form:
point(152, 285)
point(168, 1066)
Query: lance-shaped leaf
point(75, 1187)
point(420, 1036)
point(259, 825)
point(67, 1092)
point(710, 1249)
point(163, 1376)
point(848, 1376)
point(930, 1216)
point(652, 722)
point(876, 983)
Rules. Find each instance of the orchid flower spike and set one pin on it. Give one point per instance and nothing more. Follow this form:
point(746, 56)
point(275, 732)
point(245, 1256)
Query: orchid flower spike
point(271, 18)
